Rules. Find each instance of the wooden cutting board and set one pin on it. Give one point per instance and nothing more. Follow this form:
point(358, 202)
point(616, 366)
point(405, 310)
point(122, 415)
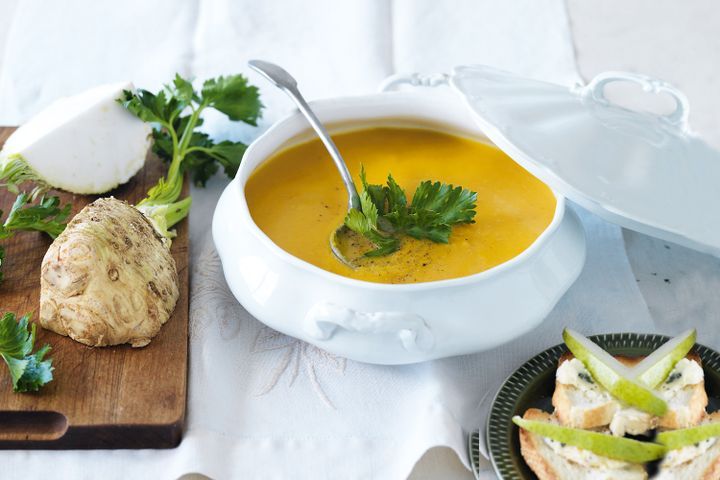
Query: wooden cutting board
point(111, 397)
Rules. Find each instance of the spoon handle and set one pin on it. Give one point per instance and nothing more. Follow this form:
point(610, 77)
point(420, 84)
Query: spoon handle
point(319, 128)
point(284, 81)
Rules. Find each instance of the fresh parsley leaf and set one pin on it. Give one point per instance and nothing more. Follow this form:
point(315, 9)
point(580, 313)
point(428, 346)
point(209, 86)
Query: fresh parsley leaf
point(183, 90)
point(38, 371)
point(376, 192)
point(435, 208)
point(358, 222)
point(204, 160)
point(149, 107)
point(426, 224)
point(45, 216)
point(162, 144)
point(452, 204)
point(396, 199)
point(28, 371)
point(233, 96)
point(365, 223)
point(369, 210)
point(228, 154)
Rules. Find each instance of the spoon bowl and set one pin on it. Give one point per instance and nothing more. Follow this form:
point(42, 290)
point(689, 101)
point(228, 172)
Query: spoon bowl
point(338, 240)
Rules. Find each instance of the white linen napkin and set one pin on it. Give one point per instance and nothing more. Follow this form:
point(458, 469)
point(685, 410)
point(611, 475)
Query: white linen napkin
point(263, 405)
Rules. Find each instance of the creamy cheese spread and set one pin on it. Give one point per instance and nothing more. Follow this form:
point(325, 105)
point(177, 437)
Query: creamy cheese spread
point(679, 456)
point(573, 372)
point(601, 468)
point(632, 421)
point(686, 372)
point(583, 457)
point(568, 373)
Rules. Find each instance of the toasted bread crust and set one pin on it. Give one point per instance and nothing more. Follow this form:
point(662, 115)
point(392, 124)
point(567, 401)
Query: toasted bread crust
point(697, 404)
point(589, 418)
point(713, 472)
point(530, 448)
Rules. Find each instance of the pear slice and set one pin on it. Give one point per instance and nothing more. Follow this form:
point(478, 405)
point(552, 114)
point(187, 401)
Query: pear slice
point(674, 439)
point(655, 368)
point(612, 375)
point(617, 448)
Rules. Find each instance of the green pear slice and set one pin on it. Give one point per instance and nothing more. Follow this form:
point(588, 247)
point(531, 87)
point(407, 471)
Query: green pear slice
point(654, 369)
point(674, 439)
point(612, 375)
point(617, 448)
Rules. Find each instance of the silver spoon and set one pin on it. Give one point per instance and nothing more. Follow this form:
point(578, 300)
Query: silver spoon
point(285, 82)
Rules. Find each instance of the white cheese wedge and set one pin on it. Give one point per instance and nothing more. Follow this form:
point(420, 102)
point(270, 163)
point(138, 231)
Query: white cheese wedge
point(86, 143)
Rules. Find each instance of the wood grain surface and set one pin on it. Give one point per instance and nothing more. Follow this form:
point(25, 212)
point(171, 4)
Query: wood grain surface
point(111, 397)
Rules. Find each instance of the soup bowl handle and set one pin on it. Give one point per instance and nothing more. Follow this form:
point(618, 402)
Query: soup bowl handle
point(325, 318)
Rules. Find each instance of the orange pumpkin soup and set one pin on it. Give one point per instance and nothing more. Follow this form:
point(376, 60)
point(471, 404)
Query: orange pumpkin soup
point(296, 198)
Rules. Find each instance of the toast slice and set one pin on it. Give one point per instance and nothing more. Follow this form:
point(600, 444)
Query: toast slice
point(581, 403)
point(697, 462)
point(551, 460)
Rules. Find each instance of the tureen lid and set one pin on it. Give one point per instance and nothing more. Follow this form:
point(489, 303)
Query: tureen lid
point(640, 170)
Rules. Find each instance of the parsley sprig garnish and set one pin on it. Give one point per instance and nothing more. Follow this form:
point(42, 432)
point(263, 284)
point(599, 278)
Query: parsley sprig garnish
point(386, 215)
point(28, 371)
point(44, 216)
point(176, 113)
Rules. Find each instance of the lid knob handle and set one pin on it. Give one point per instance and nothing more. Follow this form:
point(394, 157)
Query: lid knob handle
point(413, 79)
point(678, 117)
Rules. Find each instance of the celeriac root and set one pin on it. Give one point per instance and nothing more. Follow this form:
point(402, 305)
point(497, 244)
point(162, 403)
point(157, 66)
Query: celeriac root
point(109, 278)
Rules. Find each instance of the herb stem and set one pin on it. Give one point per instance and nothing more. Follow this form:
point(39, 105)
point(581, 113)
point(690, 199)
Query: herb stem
point(173, 136)
point(189, 128)
point(198, 148)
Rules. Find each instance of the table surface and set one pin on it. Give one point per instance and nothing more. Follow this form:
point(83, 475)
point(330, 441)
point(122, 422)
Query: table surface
point(664, 38)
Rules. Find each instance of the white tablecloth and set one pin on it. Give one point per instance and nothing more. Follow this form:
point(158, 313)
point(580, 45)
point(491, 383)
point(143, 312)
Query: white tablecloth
point(262, 405)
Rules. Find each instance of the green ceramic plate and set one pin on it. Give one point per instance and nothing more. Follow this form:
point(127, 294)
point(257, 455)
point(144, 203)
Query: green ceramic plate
point(533, 383)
